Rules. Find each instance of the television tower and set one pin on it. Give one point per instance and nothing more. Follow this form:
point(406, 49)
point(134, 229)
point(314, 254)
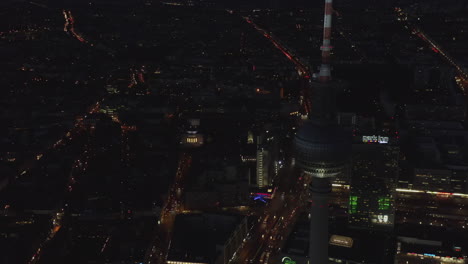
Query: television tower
point(322, 148)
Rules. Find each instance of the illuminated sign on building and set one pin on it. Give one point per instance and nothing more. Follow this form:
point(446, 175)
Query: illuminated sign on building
point(341, 241)
point(261, 197)
point(382, 219)
point(288, 260)
point(375, 139)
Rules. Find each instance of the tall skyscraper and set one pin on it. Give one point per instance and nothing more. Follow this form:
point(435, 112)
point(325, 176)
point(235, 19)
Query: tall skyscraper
point(263, 163)
point(373, 182)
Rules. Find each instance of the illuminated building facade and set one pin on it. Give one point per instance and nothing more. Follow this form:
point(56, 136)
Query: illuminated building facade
point(421, 251)
point(262, 167)
point(374, 177)
point(250, 137)
point(192, 137)
point(451, 180)
point(194, 140)
point(267, 153)
point(432, 180)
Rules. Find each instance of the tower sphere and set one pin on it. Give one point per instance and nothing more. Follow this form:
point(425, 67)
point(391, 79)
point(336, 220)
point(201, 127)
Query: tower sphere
point(322, 149)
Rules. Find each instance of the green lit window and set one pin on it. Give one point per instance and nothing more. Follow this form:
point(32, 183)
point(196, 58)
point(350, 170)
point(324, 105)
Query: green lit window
point(353, 202)
point(384, 203)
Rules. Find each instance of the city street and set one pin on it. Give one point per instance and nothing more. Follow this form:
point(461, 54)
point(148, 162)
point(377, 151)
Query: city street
point(159, 248)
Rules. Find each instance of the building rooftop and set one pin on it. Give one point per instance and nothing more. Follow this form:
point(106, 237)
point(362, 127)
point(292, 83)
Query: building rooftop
point(201, 237)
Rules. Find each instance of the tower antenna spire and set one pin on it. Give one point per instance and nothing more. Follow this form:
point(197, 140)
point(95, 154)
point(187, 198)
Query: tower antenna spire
point(325, 70)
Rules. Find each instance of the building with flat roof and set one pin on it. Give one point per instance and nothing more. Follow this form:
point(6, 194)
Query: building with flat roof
point(207, 238)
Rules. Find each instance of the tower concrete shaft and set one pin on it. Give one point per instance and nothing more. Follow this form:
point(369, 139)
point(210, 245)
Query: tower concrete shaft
point(325, 71)
point(320, 189)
